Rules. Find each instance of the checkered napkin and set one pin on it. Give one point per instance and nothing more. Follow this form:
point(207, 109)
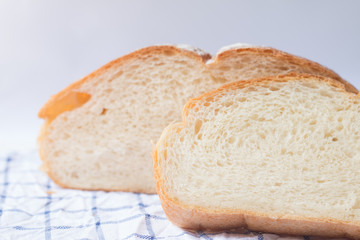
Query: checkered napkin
point(33, 207)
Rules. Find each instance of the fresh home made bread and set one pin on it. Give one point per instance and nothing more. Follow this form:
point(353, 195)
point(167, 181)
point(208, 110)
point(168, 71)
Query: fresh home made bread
point(98, 132)
point(277, 154)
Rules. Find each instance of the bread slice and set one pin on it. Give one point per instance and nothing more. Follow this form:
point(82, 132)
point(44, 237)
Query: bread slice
point(98, 131)
point(277, 154)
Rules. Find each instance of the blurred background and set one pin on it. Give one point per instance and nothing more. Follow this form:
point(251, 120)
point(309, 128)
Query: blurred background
point(46, 45)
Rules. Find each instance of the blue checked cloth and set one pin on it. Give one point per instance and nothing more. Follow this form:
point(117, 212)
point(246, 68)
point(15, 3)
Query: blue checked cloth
point(33, 207)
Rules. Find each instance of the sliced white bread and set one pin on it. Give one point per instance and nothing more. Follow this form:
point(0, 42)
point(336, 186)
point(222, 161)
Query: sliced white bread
point(98, 132)
point(277, 154)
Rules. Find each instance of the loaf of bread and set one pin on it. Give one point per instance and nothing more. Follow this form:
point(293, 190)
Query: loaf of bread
point(276, 154)
point(98, 132)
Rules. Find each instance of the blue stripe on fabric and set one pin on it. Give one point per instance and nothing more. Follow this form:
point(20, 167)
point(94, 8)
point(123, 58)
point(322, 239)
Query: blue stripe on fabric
point(5, 184)
point(158, 217)
point(306, 238)
point(123, 220)
point(60, 198)
point(25, 183)
point(97, 218)
point(47, 212)
point(203, 235)
point(147, 216)
point(77, 227)
point(139, 236)
point(43, 197)
point(260, 237)
point(74, 211)
point(21, 228)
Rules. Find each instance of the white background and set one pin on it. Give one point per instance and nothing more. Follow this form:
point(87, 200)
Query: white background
point(45, 45)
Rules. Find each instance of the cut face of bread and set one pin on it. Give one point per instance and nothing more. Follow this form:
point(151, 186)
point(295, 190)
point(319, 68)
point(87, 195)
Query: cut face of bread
point(99, 131)
point(277, 154)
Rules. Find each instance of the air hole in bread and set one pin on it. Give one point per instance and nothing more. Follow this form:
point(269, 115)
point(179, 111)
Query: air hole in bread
point(349, 153)
point(186, 72)
point(340, 127)
point(220, 79)
point(326, 94)
point(103, 112)
point(254, 116)
point(309, 85)
point(181, 62)
point(262, 135)
point(283, 68)
point(273, 88)
point(89, 151)
point(206, 104)
point(227, 104)
point(159, 64)
point(169, 53)
point(66, 136)
point(74, 175)
point(249, 89)
point(219, 163)
point(246, 59)
point(209, 99)
point(238, 66)
point(224, 68)
point(356, 204)
point(133, 67)
point(327, 134)
point(198, 124)
point(313, 122)
point(197, 81)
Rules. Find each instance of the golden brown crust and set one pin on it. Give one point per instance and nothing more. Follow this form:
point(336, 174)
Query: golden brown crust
point(313, 67)
point(198, 218)
point(71, 98)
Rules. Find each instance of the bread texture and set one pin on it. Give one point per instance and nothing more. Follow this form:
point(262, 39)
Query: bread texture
point(98, 132)
point(277, 154)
